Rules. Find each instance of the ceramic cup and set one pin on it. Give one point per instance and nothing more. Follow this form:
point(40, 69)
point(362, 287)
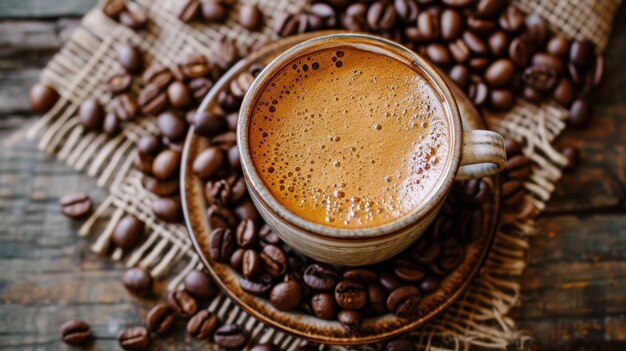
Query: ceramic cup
point(473, 154)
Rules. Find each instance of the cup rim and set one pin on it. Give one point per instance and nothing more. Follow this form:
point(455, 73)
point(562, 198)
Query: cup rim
point(440, 188)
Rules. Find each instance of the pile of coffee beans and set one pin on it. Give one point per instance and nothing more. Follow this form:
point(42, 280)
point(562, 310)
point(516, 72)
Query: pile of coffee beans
point(489, 48)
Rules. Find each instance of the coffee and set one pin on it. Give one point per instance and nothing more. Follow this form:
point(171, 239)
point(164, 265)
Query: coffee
point(349, 138)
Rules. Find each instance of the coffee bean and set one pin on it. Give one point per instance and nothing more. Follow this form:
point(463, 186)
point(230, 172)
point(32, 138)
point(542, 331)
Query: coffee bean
point(75, 332)
point(564, 93)
point(151, 99)
point(481, 26)
point(166, 164)
point(230, 336)
point(234, 160)
point(572, 155)
point(183, 303)
point(558, 46)
point(350, 295)
point(236, 259)
point(42, 97)
point(171, 125)
point(199, 285)
point(518, 167)
point(580, 114)
point(324, 306)
point(427, 25)
point(246, 233)
point(160, 318)
point(157, 75)
point(540, 78)
point(134, 19)
point(130, 57)
point(536, 31)
point(168, 210)
point(407, 271)
point(221, 244)
point(471, 228)
point(179, 95)
point(264, 347)
point(113, 8)
point(200, 87)
point(221, 217)
point(261, 284)
point(286, 296)
point(188, 10)
point(498, 43)
point(429, 284)
point(512, 147)
point(452, 255)
point(134, 339)
point(143, 163)
point(196, 66)
point(519, 52)
point(214, 11)
point(208, 163)
point(225, 140)
point(478, 65)
point(111, 125)
point(475, 191)
point(381, 16)
point(389, 281)
point(475, 43)
point(598, 72)
point(149, 145)
point(125, 107)
point(511, 19)
point(490, 8)
point(532, 95)
point(273, 260)
point(137, 281)
point(581, 53)
point(91, 115)
point(513, 192)
point(460, 75)
point(209, 124)
point(75, 205)
point(355, 18)
point(246, 209)
point(240, 85)
point(455, 3)
point(267, 236)
point(285, 24)
point(320, 277)
point(217, 192)
point(203, 324)
point(500, 73)
point(478, 92)
point(227, 101)
point(400, 345)
point(251, 263)
point(362, 275)
point(250, 17)
point(501, 99)
point(161, 188)
point(350, 320)
point(127, 232)
point(119, 82)
point(376, 299)
point(549, 61)
point(439, 54)
point(404, 301)
point(406, 10)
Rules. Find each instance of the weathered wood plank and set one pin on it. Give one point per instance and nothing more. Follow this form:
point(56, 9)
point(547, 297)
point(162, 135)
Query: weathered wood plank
point(19, 35)
point(44, 8)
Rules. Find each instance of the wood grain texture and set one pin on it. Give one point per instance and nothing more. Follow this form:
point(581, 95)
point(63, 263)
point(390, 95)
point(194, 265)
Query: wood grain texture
point(573, 291)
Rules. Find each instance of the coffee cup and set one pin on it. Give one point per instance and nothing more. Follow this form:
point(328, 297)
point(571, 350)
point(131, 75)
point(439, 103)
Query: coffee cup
point(349, 144)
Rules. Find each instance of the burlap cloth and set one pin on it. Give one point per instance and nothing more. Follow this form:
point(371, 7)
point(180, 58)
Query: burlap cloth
point(477, 320)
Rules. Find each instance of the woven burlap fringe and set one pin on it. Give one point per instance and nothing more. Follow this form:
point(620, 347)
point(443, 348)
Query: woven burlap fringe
point(78, 71)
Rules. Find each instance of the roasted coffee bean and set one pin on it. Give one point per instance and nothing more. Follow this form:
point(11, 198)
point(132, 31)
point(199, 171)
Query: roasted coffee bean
point(166, 164)
point(476, 191)
point(240, 85)
point(355, 17)
point(261, 284)
point(404, 301)
point(273, 260)
point(161, 188)
point(564, 93)
point(230, 336)
point(158, 75)
point(549, 61)
point(389, 281)
point(439, 54)
point(75, 332)
point(532, 95)
point(498, 43)
point(251, 263)
point(579, 114)
point(125, 107)
point(236, 259)
point(196, 66)
point(111, 125)
point(91, 115)
point(519, 52)
point(199, 285)
point(376, 300)
point(209, 124)
point(471, 228)
point(160, 318)
point(227, 101)
point(168, 210)
point(406, 10)
point(324, 306)
point(286, 295)
point(536, 31)
point(221, 244)
point(429, 284)
point(427, 25)
point(407, 271)
point(451, 24)
point(478, 64)
point(459, 50)
point(137, 281)
point(558, 46)
point(208, 163)
point(479, 93)
point(247, 233)
point(598, 72)
point(581, 53)
point(246, 209)
point(452, 255)
point(217, 192)
point(75, 205)
point(460, 75)
point(179, 95)
point(518, 167)
point(350, 320)
point(221, 217)
point(42, 97)
point(500, 73)
point(572, 155)
point(540, 78)
point(134, 339)
point(200, 87)
point(267, 236)
point(127, 232)
point(183, 303)
point(151, 99)
point(225, 140)
point(113, 8)
point(350, 295)
point(512, 147)
point(234, 160)
point(475, 43)
point(429, 255)
point(171, 126)
point(149, 145)
point(400, 345)
point(501, 99)
point(130, 57)
point(250, 17)
point(362, 275)
point(118, 82)
point(513, 192)
point(381, 16)
point(481, 26)
point(454, 3)
point(511, 19)
point(203, 324)
point(143, 163)
point(214, 11)
point(135, 19)
point(188, 10)
point(320, 277)
point(285, 24)
point(264, 347)
point(490, 8)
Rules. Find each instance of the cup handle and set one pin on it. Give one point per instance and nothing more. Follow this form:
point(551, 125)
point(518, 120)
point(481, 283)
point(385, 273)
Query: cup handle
point(482, 154)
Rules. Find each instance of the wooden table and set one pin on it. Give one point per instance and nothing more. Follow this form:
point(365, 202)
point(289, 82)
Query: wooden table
point(574, 294)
